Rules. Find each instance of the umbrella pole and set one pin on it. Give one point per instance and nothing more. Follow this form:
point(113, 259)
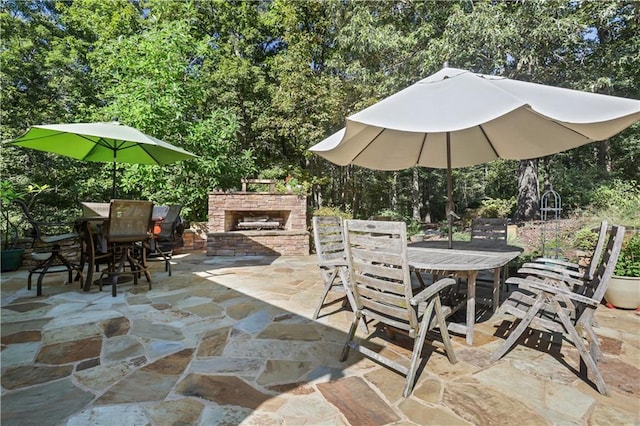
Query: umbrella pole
point(450, 208)
point(113, 185)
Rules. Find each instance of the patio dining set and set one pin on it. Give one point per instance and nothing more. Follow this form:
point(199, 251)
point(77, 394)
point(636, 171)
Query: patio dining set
point(373, 263)
point(120, 235)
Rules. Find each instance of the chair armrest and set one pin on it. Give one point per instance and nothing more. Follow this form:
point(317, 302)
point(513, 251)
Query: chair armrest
point(557, 262)
point(562, 292)
point(550, 275)
point(554, 268)
point(432, 290)
point(524, 283)
point(52, 239)
point(335, 263)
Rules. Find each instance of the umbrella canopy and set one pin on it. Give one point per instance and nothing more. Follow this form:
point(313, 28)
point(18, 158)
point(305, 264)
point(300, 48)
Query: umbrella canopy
point(456, 118)
point(102, 142)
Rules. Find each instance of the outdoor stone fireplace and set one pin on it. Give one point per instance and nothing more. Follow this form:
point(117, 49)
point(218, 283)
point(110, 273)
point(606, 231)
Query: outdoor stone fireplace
point(257, 223)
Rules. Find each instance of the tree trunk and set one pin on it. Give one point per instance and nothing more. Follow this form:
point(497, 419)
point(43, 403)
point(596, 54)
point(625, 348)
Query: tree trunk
point(394, 192)
point(415, 195)
point(604, 155)
point(528, 193)
point(426, 201)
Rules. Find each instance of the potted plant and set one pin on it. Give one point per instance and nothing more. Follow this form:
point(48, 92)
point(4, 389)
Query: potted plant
point(11, 255)
point(624, 287)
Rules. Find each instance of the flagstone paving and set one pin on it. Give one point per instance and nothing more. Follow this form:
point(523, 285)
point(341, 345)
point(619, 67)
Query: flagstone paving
point(227, 341)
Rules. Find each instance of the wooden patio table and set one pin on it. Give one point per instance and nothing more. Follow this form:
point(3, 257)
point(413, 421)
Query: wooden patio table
point(465, 259)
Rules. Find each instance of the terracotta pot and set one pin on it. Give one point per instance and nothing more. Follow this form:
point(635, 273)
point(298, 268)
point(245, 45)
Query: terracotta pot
point(623, 292)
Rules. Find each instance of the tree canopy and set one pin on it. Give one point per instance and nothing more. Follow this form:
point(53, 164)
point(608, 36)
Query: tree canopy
point(249, 86)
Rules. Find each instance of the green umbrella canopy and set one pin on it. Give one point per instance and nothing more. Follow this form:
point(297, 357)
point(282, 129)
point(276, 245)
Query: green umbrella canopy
point(102, 142)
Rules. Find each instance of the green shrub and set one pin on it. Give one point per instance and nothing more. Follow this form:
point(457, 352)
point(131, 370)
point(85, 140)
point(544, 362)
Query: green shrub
point(618, 202)
point(497, 207)
point(414, 227)
point(287, 182)
point(585, 239)
point(293, 186)
point(389, 214)
point(332, 211)
point(628, 264)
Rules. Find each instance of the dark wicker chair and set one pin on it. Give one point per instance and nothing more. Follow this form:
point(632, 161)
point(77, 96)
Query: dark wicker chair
point(167, 233)
point(47, 241)
point(128, 234)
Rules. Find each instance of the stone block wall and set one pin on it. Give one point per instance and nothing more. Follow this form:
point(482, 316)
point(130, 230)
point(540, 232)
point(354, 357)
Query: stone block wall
point(263, 243)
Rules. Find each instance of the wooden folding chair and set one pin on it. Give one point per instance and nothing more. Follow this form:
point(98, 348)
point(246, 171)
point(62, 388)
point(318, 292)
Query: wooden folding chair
point(380, 280)
point(560, 273)
point(558, 269)
point(547, 308)
point(329, 243)
point(490, 230)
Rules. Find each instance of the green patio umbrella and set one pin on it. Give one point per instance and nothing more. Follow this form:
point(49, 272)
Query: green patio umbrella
point(102, 142)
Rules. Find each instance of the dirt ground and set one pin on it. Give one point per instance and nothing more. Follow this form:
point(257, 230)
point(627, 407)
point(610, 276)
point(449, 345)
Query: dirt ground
point(551, 239)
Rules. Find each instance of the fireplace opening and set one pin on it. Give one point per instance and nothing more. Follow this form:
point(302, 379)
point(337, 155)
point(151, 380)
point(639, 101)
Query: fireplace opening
point(259, 220)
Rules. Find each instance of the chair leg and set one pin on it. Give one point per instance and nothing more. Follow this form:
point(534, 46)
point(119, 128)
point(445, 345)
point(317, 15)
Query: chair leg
point(39, 285)
point(444, 332)
point(352, 332)
point(145, 267)
point(517, 332)
point(133, 266)
point(585, 355)
point(54, 260)
point(594, 344)
point(116, 274)
point(344, 276)
point(167, 263)
point(328, 283)
point(418, 343)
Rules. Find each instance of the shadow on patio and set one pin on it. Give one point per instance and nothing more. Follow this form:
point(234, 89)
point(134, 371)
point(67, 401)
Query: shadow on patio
point(230, 340)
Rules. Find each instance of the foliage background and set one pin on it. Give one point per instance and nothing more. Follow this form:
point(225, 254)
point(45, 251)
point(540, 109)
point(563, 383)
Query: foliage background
point(250, 85)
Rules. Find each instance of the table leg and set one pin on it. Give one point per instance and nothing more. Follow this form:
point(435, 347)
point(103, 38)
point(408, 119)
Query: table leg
point(90, 257)
point(497, 275)
point(471, 305)
point(420, 279)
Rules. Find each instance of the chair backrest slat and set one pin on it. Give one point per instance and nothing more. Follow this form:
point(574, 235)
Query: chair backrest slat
point(490, 230)
point(597, 251)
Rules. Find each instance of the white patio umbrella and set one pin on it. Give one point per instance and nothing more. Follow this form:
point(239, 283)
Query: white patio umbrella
point(456, 118)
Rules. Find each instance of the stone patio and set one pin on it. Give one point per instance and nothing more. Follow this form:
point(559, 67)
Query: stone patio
point(230, 340)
